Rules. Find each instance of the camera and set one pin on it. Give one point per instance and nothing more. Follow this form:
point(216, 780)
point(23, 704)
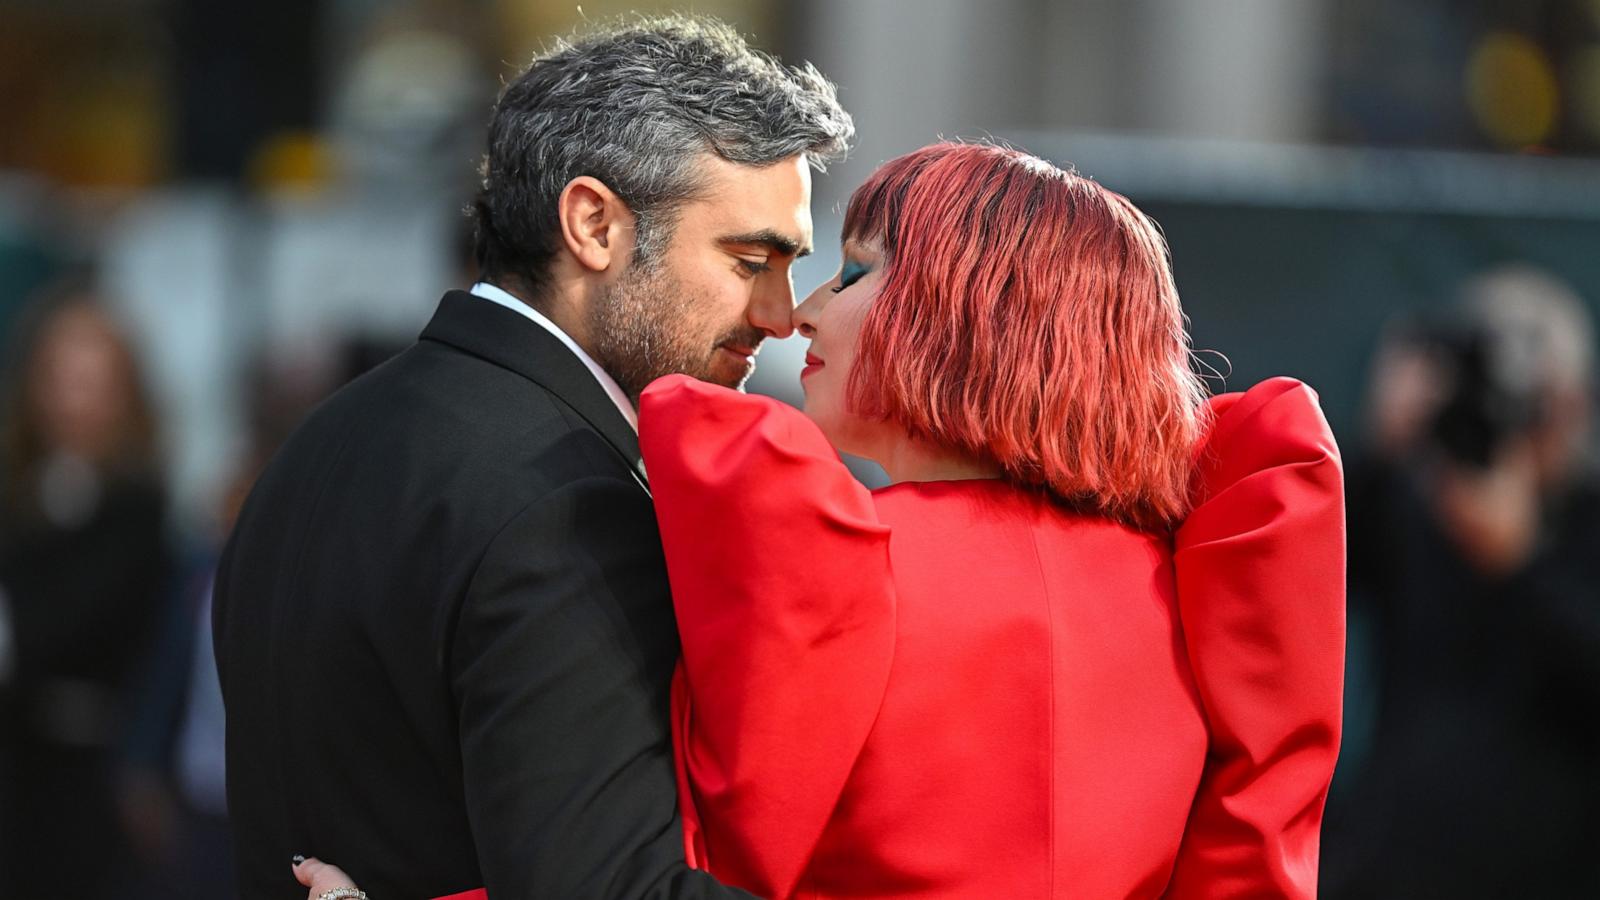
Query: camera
point(1490, 387)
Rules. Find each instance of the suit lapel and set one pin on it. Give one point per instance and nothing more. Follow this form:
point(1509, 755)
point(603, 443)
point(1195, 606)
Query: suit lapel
point(492, 332)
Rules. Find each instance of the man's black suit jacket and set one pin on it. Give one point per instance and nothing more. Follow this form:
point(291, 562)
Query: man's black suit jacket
point(445, 636)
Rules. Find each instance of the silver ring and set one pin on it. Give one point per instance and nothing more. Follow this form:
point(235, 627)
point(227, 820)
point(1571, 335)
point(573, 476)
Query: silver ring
point(343, 893)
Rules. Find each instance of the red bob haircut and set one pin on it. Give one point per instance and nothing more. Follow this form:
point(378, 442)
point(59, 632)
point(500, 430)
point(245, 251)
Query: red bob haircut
point(1028, 317)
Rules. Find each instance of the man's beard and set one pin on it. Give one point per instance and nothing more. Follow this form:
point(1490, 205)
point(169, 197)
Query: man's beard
point(643, 327)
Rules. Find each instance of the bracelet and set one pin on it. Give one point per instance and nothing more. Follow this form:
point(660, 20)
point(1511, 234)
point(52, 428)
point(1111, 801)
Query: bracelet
point(343, 893)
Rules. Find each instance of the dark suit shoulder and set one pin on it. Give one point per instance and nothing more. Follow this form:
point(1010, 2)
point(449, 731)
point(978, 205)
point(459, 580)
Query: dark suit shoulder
point(420, 463)
point(435, 405)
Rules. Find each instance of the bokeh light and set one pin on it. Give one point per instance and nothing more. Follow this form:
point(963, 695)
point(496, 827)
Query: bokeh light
point(1511, 90)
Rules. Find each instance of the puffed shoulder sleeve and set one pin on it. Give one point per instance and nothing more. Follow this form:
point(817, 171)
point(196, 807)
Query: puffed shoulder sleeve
point(781, 583)
point(1261, 589)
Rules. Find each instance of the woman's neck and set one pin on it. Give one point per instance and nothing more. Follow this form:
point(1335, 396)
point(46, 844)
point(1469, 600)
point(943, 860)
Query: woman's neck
point(913, 460)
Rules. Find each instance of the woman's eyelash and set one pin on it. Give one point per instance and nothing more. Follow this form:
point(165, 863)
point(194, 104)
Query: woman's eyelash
point(850, 275)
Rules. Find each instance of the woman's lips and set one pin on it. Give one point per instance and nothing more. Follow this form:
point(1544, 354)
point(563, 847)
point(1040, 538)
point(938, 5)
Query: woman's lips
point(813, 363)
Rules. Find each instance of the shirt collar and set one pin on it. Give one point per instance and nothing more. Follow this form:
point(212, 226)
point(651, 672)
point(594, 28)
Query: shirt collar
point(498, 295)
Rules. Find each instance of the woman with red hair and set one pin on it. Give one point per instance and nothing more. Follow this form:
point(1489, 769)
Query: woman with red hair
point(1088, 643)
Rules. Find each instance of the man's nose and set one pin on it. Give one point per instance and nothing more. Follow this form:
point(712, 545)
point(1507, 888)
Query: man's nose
point(771, 310)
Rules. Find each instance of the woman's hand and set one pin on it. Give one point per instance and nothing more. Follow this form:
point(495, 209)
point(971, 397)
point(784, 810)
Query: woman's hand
point(320, 877)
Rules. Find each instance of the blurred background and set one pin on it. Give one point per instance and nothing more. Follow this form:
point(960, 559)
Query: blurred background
point(212, 214)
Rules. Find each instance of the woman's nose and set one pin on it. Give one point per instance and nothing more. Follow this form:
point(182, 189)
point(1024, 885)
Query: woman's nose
point(806, 314)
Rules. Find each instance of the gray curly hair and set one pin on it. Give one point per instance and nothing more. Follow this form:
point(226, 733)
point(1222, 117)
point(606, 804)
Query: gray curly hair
point(634, 105)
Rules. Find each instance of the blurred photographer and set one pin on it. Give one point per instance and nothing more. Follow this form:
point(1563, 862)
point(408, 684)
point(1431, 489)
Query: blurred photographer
point(1475, 560)
point(1513, 429)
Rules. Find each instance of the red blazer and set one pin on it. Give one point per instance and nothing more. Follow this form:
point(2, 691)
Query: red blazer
point(962, 689)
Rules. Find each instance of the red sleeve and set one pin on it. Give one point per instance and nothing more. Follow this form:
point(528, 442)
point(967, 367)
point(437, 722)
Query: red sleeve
point(1261, 589)
point(780, 579)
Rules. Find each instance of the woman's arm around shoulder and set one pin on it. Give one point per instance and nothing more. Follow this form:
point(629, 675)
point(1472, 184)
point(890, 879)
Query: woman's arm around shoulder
point(780, 579)
point(1261, 589)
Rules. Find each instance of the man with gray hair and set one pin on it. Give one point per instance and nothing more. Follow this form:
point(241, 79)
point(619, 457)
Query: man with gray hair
point(442, 622)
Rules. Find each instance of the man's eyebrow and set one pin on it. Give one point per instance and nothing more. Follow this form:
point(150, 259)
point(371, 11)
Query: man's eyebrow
point(766, 237)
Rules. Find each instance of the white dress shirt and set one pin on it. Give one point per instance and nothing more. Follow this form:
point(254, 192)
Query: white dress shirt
point(496, 295)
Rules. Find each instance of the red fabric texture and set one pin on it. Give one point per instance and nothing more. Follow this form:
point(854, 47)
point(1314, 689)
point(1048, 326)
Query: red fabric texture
point(962, 689)
point(1261, 588)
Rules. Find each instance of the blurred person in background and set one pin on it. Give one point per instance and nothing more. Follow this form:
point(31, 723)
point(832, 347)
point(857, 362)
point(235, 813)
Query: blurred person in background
point(1475, 556)
point(83, 561)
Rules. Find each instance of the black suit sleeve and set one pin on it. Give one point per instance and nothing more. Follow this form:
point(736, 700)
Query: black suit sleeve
point(561, 664)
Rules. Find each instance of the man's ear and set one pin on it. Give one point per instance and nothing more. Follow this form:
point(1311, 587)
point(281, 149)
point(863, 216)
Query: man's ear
point(594, 223)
